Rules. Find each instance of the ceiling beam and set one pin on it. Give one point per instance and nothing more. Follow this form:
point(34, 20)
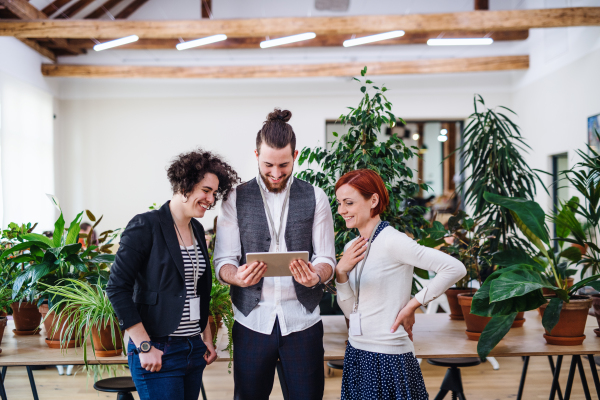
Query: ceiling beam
point(74, 9)
point(290, 71)
point(130, 9)
point(319, 41)
point(206, 7)
point(482, 5)
point(359, 25)
point(40, 49)
point(103, 9)
point(22, 9)
point(54, 6)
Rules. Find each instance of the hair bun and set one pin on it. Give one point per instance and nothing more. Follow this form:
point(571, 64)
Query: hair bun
point(277, 114)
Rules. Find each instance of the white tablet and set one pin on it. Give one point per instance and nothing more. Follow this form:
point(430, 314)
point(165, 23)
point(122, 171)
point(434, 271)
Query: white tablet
point(278, 264)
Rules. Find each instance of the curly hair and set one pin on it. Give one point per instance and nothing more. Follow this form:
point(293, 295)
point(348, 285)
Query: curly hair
point(188, 169)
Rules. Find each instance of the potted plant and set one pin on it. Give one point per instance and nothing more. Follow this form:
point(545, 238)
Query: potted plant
point(89, 315)
point(517, 287)
point(359, 148)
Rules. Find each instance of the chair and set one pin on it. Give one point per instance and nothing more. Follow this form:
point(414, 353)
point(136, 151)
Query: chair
point(335, 364)
point(452, 381)
point(123, 386)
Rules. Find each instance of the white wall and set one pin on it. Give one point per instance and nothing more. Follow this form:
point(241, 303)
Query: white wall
point(114, 150)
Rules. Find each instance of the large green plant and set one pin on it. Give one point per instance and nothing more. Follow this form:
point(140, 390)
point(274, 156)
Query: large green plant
point(517, 287)
point(492, 151)
point(359, 148)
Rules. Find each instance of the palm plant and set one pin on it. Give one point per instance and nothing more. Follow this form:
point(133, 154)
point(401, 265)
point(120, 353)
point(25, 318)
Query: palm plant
point(85, 308)
point(493, 153)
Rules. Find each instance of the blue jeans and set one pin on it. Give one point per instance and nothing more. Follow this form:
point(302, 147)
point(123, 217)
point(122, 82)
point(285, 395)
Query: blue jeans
point(180, 377)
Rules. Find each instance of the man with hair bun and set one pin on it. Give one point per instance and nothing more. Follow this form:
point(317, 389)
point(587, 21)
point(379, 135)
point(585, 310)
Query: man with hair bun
point(276, 318)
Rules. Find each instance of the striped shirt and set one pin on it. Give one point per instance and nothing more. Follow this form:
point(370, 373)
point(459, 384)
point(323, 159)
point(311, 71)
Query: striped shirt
point(187, 327)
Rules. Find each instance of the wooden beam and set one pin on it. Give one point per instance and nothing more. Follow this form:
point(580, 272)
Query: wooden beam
point(130, 9)
point(74, 9)
point(273, 27)
point(22, 9)
point(206, 7)
point(482, 5)
point(289, 71)
point(40, 49)
point(100, 11)
point(54, 6)
point(319, 41)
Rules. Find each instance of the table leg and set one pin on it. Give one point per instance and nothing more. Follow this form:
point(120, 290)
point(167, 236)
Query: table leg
point(2, 389)
point(571, 377)
point(594, 373)
point(523, 375)
point(586, 389)
point(551, 360)
point(32, 383)
point(555, 377)
point(284, 388)
point(4, 372)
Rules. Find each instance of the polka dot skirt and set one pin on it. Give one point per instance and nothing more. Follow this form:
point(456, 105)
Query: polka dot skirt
point(376, 376)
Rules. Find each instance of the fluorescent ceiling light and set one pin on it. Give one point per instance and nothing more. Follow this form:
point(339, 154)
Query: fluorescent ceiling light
point(201, 42)
point(460, 42)
point(287, 40)
point(416, 136)
point(117, 42)
point(442, 138)
point(444, 132)
point(373, 38)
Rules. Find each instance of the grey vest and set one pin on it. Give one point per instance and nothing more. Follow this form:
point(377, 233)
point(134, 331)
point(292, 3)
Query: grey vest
point(255, 237)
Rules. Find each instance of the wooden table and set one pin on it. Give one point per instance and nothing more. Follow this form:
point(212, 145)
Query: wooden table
point(436, 336)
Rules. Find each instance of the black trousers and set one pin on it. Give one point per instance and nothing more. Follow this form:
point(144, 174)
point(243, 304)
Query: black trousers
point(255, 358)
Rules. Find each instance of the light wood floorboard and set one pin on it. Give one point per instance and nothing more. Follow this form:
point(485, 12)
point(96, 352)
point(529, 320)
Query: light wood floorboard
point(481, 382)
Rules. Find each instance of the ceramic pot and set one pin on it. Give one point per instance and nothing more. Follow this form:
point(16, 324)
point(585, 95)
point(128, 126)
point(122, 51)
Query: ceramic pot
point(103, 342)
point(27, 318)
point(475, 323)
point(455, 308)
point(519, 320)
point(54, 329)
point(571, 323)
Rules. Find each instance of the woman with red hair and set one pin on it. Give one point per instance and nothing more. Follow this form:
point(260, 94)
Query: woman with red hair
point(374, 280)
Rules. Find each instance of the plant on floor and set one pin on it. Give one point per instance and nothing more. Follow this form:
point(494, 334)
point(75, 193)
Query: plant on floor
point(517, 287)
point(492, 152)
point(359, 148)
point(220, 306)
point(87, 311)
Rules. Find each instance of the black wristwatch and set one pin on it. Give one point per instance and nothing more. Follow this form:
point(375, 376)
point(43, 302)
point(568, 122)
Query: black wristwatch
point(145, 347)
point(318, 283)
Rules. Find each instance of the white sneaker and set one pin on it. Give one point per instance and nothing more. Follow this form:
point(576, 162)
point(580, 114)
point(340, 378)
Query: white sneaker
point(61, 370)
point(69, 370)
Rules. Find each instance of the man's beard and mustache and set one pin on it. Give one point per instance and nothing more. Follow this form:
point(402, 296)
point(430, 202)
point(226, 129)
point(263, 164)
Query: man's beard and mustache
point(280, 186)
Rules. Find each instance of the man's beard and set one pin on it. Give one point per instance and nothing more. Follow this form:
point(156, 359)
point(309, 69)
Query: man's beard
point(275, 189)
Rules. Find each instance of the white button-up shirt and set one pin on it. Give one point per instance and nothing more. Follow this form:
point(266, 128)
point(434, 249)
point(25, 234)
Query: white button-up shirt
point(278, 298)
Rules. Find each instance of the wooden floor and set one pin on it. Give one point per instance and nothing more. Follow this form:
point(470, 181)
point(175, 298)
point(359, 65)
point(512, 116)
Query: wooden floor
point(480, 383)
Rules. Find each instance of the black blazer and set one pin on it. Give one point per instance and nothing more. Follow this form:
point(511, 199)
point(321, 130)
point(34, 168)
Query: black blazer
point(147, 279)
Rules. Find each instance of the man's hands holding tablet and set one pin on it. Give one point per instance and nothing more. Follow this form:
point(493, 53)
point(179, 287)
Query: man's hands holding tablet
point(249, 274)
point(304, 273)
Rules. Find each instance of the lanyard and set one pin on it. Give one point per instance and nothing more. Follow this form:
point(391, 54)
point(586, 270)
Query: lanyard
point(196, 266)
point(275, 232)
point(362, 266)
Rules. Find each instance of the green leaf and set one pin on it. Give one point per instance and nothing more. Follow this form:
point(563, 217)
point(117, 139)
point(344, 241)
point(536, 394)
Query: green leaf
point(59, 228)
point(517, 283)
point(437, 231)
point(24, 246)
point(494, 331)
point(510, 257)
point(571, 253)
point(36, 237)
point(431, 242)
point(363, 89)
point(73, 232)
point(335, 134)
point(584, 282)
point(552, 314)
point(421, 273)
point(103, 258)
point(91, 216)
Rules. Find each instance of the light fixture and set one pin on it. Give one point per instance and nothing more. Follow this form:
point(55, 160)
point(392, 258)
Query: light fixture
point(116, 42)
point(373, 38)
point(287, 40)
point(460, 42)
point(444, 132)
point(442, 138)
point(416, 136)
point(201, 42)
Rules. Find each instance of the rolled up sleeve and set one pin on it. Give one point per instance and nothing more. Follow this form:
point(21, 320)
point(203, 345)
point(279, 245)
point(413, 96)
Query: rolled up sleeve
point(323, 235)
point(228, 247)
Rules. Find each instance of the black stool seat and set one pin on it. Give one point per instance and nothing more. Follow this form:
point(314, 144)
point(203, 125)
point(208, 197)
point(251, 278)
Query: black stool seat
point(336, 364)
point(455, 362)
point(122, 386)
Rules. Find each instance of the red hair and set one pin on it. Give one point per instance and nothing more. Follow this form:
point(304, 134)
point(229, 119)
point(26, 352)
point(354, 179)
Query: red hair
point(368, 183)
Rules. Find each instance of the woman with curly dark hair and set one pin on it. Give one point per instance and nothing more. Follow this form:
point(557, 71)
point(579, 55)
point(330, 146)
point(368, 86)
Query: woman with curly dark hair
point(161, 280)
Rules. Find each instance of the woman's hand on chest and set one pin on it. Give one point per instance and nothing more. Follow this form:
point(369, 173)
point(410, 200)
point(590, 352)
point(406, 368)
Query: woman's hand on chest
point(352, 256)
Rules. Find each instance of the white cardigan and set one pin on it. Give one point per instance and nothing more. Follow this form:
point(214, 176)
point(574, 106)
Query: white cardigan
point(385, 287)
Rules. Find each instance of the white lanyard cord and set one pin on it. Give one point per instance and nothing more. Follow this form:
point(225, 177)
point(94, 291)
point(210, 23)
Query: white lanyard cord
point(275, 232)
point(362, 266)
point(195, 266)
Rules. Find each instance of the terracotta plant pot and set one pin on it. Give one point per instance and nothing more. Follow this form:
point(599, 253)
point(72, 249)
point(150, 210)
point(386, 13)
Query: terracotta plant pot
point(214, 326)
point(103, 342)
point(596, 307)
point(475, 323)
point(2, 326)
point(3, 313)
point(27, 318)
point(455, 308)
point(571, 323)
point(519, 320)
point(54, 328)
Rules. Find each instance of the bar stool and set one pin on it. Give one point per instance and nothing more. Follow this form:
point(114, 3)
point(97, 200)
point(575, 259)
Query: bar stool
point(123, 386)
point(452, 381)
point(334, 364)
